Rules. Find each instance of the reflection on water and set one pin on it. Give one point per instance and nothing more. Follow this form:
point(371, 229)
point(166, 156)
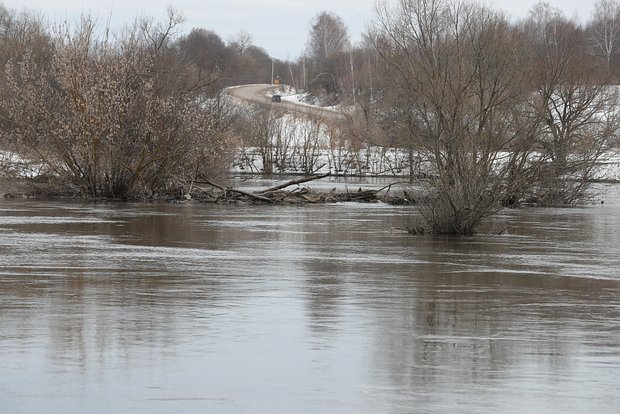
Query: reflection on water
point(156, 308)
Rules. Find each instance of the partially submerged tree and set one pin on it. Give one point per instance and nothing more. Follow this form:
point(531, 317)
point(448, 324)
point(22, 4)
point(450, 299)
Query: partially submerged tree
point(457, 81)
point(114, 118)
point(493, 113)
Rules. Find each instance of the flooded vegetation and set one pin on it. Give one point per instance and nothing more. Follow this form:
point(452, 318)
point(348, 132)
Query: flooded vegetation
point(155, 308)
point(233, 306)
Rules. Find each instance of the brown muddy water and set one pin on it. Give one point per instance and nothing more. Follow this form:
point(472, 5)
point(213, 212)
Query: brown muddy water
point(195, 308)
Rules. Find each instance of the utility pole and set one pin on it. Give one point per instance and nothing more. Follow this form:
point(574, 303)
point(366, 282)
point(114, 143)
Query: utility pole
point(352, 76)
point(305, 85)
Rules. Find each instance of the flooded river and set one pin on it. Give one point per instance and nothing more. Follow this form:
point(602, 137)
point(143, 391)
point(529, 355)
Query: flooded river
point(196, 308)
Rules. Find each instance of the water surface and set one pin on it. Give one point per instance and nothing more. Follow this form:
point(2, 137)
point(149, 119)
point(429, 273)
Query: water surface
point(194, 308)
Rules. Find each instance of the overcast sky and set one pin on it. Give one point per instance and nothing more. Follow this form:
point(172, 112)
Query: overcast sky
point(279, 26)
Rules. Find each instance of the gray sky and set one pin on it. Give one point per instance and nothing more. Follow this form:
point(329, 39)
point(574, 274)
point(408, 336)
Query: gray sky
point(279, 26)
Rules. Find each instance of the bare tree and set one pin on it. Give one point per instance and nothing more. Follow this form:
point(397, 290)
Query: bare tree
point(328, 41)
point(458, 84)
point(328, 38)
point(270, 136)
point(310, 134)
point(605, 29)
point(574, 108)
point(240, 42)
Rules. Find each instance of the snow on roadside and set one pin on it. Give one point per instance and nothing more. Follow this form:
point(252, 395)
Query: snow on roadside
point(290, 95)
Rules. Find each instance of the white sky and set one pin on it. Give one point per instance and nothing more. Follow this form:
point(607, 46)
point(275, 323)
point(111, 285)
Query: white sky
point(279, 26)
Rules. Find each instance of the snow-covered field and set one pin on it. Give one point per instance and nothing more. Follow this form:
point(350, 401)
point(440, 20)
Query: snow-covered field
point(299, 146)
point(370, 161)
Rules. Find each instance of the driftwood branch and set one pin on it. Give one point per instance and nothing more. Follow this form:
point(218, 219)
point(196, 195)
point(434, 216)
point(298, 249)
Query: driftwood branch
point(389, 186)
point(251, 195)
point(293, 182)
point(232, 190)
point(212, 184)
point(201, 189)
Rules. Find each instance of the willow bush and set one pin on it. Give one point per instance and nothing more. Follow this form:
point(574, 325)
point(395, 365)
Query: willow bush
point(119, 117)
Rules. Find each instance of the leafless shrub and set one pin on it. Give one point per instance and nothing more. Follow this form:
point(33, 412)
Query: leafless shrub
point(114, 118)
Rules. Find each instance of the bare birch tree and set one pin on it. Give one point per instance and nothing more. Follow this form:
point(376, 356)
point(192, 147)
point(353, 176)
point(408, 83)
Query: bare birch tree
point(328, 42)
point(605, 29)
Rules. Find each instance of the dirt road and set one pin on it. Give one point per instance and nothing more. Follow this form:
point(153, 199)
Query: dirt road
point(261, 94)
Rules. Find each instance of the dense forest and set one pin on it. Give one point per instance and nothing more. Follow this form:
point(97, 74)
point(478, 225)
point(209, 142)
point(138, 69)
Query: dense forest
point(488, 112)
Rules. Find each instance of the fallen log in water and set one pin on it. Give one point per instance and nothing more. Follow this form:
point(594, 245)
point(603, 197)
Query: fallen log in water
point(294, 182)
point(299, 195)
